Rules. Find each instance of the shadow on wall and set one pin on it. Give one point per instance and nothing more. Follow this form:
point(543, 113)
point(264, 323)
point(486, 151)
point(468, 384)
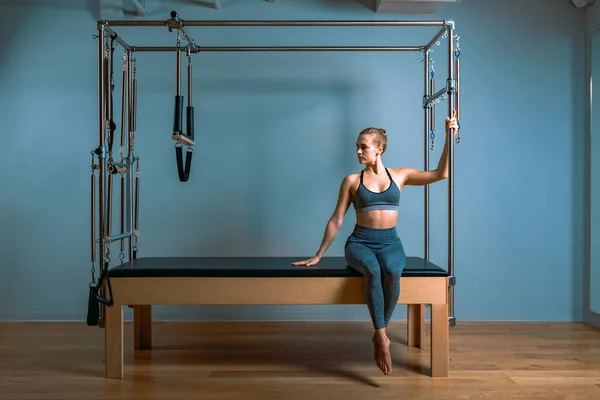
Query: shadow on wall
point(93, 7)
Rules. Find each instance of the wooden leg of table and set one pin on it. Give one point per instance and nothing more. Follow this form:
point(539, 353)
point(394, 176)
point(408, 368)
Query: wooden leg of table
point(142, 331)
point(415, 325)
point(113, 342)
point(439, 340)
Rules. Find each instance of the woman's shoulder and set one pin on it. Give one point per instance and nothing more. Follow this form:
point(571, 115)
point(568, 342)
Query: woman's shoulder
point(353, 177)
point(351, 181)
point(399, 175)
point(398, 172)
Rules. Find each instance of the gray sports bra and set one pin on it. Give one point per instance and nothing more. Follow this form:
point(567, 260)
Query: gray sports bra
point(367, 200)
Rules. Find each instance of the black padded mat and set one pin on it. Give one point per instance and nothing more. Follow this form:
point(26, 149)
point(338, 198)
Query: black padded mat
point(253, 267)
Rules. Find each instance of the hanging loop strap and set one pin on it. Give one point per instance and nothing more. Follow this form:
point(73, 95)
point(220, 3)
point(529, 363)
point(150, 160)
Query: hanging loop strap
point(105, 276)
point(184, 172)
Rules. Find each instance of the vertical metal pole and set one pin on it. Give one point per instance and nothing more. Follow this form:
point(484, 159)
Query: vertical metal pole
point(93, 212)
point(101, 160)
point(450, 139)
point(189, 82)
point(134, 97)
point(427, 93)
point(135, 201)
point(129, 203)
point(178, 65)
point(109, 198)
point(130, 157)
point(136, 214)
point(123, 151)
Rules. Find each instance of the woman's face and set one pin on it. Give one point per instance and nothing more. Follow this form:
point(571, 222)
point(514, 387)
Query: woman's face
point(366, 149)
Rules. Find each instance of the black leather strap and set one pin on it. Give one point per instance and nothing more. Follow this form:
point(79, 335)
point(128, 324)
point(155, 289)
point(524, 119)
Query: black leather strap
point(93, 314)
point(184, 173)
point(105, 277)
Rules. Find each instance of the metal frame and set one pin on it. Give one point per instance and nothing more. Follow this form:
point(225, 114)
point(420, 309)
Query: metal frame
point(130, 196)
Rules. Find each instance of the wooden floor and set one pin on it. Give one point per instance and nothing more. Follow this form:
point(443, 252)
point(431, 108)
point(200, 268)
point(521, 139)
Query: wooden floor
point(315, 360)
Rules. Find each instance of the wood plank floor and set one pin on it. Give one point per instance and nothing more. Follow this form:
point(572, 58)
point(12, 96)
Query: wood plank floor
point(312, 360)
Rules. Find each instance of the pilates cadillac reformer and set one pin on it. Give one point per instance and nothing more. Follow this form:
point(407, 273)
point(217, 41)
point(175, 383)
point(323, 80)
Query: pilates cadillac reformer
point(140, 282)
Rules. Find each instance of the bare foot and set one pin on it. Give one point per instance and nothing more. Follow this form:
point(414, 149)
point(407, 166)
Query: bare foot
point(381, 353)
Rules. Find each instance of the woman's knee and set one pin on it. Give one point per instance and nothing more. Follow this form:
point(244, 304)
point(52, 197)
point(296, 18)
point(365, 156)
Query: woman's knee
point(392, 260)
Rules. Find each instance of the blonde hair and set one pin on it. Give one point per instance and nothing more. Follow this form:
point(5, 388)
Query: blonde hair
point(380, 136)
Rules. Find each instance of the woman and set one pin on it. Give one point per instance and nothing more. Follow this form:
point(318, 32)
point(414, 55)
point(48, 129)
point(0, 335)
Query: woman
point(374, 248)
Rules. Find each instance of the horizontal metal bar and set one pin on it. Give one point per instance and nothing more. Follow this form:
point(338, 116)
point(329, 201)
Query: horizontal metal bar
point(120, 236)
point(435, 38)
point(117, 38)
point(434, 97)
point(199, 49)
point(276, 23)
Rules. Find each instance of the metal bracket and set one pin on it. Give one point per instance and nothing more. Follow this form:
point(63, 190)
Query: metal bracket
point(174, 22)
point(100, 151)
point(452, 322)
point(450, 86)
point(451, 281)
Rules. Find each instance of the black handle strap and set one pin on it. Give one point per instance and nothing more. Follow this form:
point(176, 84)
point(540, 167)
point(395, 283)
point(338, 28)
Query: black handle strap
point(93, 315)
point(184, 173)
point(105, 277)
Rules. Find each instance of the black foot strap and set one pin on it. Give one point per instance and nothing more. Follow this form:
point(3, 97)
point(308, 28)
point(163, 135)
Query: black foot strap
point(184, 173)
point(93, 315)
point(105, 277)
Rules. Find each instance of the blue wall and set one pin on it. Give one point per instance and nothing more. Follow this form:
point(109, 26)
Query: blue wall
point(276, 134)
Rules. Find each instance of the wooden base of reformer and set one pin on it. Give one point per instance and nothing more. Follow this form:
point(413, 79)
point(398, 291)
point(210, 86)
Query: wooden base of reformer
point(143, 292)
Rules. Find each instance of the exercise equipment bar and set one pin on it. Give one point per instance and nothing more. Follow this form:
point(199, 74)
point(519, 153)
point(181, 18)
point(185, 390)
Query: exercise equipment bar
point(101, 187)
point(181, 23)
point(200, 49)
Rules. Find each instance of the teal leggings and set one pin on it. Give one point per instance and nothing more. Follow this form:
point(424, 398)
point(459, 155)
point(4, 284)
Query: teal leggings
point(379, 256)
